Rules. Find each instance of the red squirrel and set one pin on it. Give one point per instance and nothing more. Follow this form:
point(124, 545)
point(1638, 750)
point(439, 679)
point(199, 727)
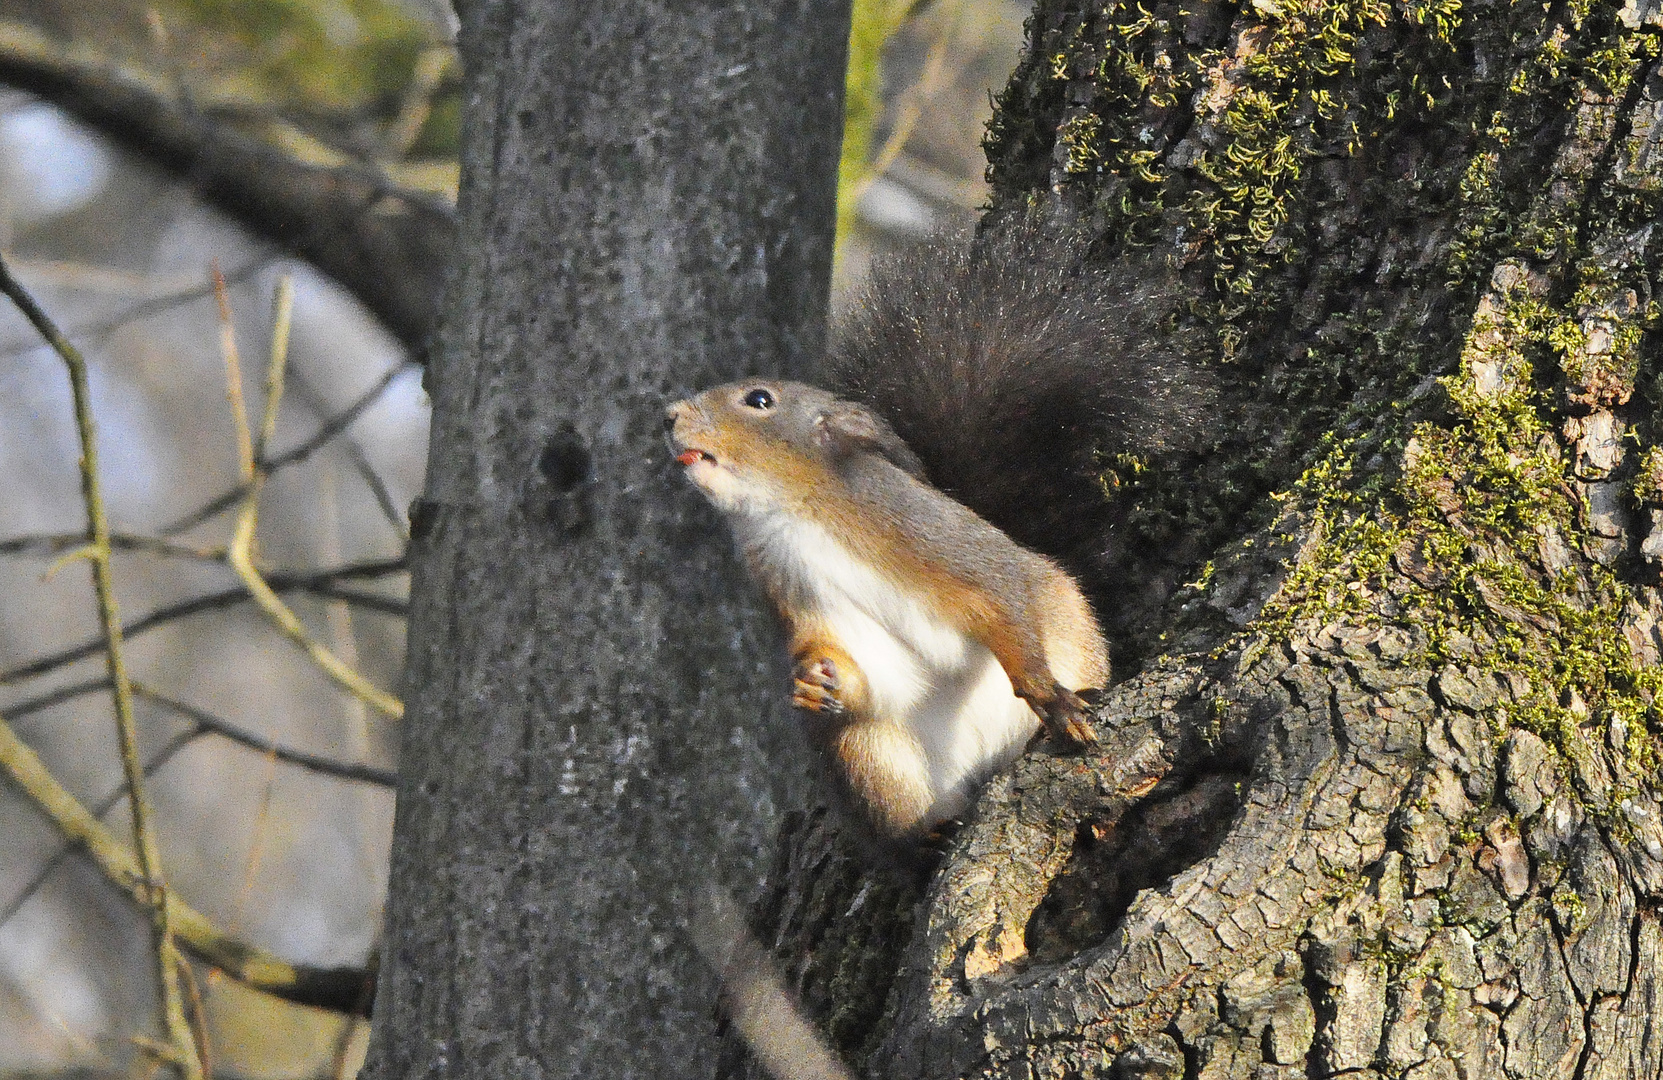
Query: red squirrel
point(927, 643)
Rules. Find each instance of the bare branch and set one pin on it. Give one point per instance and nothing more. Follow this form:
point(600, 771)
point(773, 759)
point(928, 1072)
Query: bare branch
point(348, 990)
point(57, 697)
point(156, 305)
point(207, 722)
point(204, 722)
point(53, 544)
point(388, 245)
point(233, 377)
point(384, 605)
point(105, 805)
point(153, 890)
point(327, 431)
point(198, 1015)
point(240, 551)
point(319, 582)
point(355, 454)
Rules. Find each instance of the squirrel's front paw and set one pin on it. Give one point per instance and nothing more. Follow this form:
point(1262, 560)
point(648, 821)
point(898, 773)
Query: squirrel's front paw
point(1065, 720)
point(815, 685)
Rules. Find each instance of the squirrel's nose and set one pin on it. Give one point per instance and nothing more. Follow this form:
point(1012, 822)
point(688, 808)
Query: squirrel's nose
point(670, 418)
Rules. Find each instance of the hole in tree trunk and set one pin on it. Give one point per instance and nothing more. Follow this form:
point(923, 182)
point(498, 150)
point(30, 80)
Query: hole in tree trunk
point(1180, 823)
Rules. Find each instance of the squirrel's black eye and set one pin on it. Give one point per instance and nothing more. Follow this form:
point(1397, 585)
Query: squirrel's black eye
point(759, 399)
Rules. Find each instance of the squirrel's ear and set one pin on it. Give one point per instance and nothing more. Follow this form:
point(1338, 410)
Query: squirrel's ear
point(847, 428)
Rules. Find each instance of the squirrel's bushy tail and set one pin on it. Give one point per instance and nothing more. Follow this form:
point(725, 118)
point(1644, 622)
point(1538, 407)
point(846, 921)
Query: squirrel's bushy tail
point(1024, 377)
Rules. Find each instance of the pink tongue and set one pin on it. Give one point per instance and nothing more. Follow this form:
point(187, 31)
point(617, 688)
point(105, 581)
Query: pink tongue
point(688, 457)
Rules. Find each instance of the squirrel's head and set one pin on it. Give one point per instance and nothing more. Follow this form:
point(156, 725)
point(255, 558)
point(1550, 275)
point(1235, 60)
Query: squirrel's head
point(764, 443)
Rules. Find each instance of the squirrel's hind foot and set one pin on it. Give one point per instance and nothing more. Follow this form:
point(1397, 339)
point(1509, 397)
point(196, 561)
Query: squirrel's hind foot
point(1065, 721)
point(940, 836)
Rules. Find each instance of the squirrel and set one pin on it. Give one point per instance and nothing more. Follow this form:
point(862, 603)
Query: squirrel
point(977, 384)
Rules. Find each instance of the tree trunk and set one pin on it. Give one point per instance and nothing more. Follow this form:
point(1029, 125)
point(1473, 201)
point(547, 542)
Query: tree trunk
point(595, 725)
point(1379, 793)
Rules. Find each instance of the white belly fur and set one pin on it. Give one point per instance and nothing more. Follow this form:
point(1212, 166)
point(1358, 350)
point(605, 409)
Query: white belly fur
point(944, 691)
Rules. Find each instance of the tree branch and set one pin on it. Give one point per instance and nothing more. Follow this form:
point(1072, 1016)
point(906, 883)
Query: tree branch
point(359, 460)
point(316, 582)
point(143, 309)
point(208, 722)
point(347, 990)
point(388, 246)
point(54, 544)
point(105, 805)
point(180, 1049)
point(330, 428)
point(240, 551)
point(57, 697)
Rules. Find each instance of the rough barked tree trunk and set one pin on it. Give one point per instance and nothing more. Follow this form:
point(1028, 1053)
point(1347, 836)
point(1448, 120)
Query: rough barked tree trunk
point(595, 727)
point(1379, 792)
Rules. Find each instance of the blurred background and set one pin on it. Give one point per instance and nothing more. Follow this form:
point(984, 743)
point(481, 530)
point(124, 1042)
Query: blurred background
point(270, 785)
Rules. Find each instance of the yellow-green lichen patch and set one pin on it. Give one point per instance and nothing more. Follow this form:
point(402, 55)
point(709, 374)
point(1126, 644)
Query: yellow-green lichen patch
point(1599, 343)
point(1648, 477)
point(1281, 98)
point(1467, 544)
point(1078, 137)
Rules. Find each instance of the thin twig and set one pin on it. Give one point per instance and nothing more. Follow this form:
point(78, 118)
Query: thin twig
point(202, 723)
point(385, 605)
point(105, 805)
point(233, 376)
point(378, 489)
point(355, 455)
point(58, 543)
point(282, 316)
point(240, 554)
point(320, 582)
point(156, 305)
point(208, 722)
point(198, 1016)
point(331, 428)
point(180, 1043)
point(337, 989)
point(57, 697)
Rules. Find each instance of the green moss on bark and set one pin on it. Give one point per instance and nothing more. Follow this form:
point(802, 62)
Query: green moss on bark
point(1467, 542)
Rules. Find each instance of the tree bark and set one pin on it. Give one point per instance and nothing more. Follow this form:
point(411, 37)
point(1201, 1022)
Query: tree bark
point(595, 727)
point(1379, 793)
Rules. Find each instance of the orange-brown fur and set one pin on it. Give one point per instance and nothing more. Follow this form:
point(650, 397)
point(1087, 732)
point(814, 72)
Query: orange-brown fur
point(813, 460)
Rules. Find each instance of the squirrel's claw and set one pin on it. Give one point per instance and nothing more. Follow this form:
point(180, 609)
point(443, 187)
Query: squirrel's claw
point(815, 685)
point(1065, 721)
point(940, 838)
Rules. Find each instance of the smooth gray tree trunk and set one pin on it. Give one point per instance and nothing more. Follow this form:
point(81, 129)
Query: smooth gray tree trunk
point(596, 726)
